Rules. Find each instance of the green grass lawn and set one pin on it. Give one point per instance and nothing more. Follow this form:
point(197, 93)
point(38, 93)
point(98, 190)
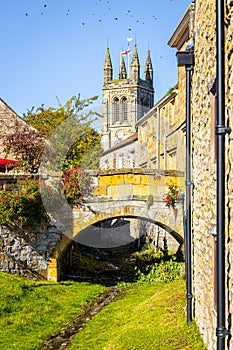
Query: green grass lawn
point(31, 311)
point(145, 316)
point(149, 316)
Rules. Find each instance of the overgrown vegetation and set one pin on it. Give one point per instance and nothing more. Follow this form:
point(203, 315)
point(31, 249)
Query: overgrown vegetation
point(67, 129)
point(22, 208)
point(73, 141)
point(76, 185)
point(164, 271)
point(62, 142)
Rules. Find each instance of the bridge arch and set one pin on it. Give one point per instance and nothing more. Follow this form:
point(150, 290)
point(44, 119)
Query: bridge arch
point(54, 262)
point(122, 193)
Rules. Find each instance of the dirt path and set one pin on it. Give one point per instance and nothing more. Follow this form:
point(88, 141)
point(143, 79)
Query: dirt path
point(62, 340)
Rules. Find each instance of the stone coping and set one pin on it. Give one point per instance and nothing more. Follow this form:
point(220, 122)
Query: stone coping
point(98, 172)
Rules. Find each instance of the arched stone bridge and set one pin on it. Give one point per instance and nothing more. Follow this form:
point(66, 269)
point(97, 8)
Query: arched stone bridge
point(136, 193)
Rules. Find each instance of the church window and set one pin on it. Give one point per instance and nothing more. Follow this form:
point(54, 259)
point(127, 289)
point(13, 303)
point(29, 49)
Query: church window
point(124, 107)
point(116, 110)
point(144, 105)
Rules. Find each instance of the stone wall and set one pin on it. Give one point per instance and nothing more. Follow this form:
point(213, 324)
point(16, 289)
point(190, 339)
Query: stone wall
point(229, 160)
point(27, 253)
point(204, 170)
point(10, 122)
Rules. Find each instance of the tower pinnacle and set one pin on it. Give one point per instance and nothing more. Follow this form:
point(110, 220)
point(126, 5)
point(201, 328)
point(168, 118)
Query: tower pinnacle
point(108, 71)
point(135, 65)
point(122, 74)
point(148, 71)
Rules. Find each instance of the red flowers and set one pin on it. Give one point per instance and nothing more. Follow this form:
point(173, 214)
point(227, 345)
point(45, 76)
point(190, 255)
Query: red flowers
point(76, 184)
point(170, 197)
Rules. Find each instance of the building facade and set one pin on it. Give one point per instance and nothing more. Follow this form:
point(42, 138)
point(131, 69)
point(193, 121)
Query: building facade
point(123, 155)
point(202, 29)
point(161, 135)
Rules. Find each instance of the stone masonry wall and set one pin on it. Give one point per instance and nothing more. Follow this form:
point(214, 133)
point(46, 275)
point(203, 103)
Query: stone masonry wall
point(229, 162)
point(10, 122)
point(204, 170)
point(26, 253)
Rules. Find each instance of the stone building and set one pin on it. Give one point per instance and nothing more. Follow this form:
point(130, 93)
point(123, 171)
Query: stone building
point(161, 134)
point(126, 99)
point(123, 155)
point(199, 24)
point(10, 122)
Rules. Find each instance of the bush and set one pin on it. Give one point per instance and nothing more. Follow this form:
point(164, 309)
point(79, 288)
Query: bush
point(164, 271)
point(76, 185)
point(23, 208)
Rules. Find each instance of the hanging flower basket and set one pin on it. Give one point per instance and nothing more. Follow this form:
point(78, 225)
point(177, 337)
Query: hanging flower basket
point(170, 197)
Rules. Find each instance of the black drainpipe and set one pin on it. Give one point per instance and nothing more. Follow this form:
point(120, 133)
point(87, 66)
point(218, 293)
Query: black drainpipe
point(186, 58)
point(221, 130)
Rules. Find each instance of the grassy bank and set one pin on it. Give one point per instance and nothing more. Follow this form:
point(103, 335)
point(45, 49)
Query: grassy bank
point(149, 316)
point(146, 315)
point(31, 311)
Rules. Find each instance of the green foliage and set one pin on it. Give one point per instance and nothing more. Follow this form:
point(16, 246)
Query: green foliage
point(170, 197)
point(77, 185)
point(73, 142)
point(164, 271)
point(24, 208)
point(46, 120)
point(31, 311)
point(150, 201)
point(27, 145)
point(170, 91)
point(86, 151)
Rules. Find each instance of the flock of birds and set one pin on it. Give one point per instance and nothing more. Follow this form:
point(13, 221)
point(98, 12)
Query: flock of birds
point(128, 13)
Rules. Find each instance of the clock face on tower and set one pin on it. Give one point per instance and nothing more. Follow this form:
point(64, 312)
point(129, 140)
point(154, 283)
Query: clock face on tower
point(120, 134)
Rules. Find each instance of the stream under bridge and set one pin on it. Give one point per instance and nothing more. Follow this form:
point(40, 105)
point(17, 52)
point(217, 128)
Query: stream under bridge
point(122, 193)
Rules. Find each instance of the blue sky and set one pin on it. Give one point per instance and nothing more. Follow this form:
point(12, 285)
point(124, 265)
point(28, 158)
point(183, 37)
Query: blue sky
point(57, 47)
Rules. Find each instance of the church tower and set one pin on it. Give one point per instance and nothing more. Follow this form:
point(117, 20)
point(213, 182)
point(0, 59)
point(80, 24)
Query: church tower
point(126, 99)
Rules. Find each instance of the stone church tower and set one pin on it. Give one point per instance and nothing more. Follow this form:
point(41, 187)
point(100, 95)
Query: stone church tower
point(126, 99)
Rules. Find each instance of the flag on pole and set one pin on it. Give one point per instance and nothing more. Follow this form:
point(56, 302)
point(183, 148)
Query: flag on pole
point(129, 39)
point(125, 52)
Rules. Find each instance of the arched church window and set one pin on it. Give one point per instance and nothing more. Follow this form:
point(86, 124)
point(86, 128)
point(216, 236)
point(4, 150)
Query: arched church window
point(124, 108)
point(116, 110)
point(144, 105)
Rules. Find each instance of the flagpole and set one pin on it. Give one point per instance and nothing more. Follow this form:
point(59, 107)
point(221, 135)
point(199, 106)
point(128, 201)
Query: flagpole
point(128, 59)
point(128, 49)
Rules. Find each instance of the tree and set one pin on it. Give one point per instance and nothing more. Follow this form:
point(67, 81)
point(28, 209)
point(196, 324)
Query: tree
point(68, 129)
point(63, 136)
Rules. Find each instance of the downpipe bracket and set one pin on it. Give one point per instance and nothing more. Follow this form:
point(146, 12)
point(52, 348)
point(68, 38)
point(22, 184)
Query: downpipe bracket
point(222, 130)
point(222, 332)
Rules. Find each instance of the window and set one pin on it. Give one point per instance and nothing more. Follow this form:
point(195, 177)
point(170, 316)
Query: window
point(121, 161)
point(106, 164)
point(116, 110)
point(144, 105)
point(131, 160)
point(124, 108)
